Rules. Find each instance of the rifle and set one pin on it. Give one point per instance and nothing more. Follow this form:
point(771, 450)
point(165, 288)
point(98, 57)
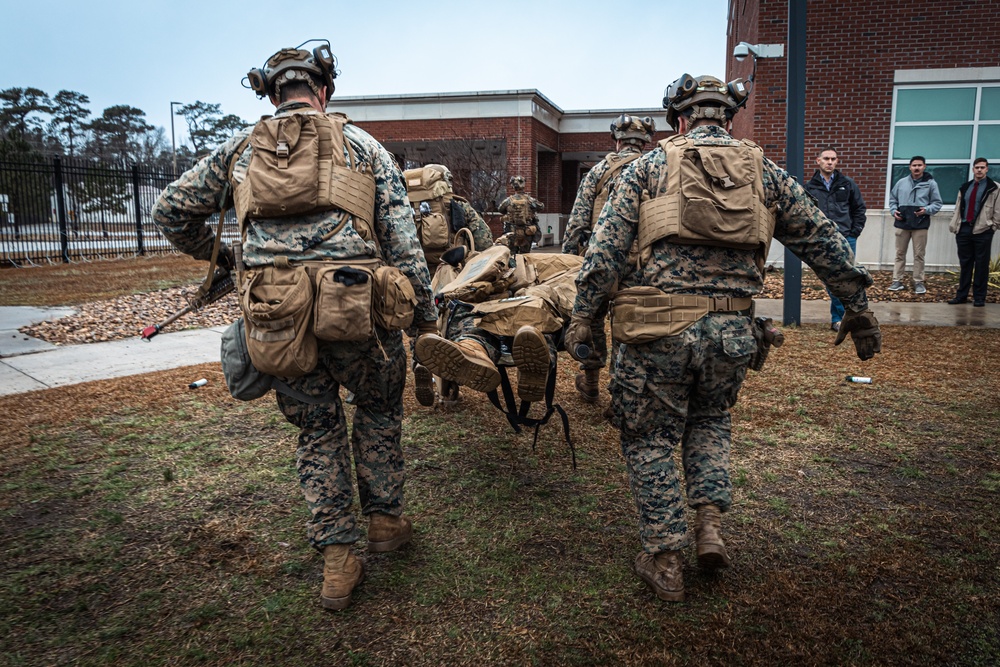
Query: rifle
point(222, 284)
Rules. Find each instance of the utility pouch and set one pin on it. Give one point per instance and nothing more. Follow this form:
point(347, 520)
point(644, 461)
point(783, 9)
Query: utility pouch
point(395, 299)
point(342, 310)
point(644, 314)
point(277, 306)
point(432, 230)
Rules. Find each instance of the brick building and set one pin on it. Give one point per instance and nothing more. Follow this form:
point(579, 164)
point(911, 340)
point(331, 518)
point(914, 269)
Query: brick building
point(884, 81)
point(486, 137)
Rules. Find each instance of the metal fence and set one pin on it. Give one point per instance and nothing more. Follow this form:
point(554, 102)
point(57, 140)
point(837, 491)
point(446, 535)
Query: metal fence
point(63, 210)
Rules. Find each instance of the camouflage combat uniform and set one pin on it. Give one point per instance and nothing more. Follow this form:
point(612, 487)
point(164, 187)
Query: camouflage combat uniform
point(535, 207)
point(373, 370)
point(579, 231)
point(679, 389)
point(481, 234)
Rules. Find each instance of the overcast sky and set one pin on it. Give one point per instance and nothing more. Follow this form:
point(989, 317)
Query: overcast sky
point(580, 54)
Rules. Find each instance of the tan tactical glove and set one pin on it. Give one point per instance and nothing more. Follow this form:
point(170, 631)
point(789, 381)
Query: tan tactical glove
point(864, 331)
point(578, 340)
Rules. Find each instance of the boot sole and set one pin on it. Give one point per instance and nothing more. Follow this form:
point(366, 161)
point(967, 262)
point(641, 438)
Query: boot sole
point(390, 545)
point(531, 357)
point(337, 604)
point(444, 358)
point(423, 385)
point(713, 557)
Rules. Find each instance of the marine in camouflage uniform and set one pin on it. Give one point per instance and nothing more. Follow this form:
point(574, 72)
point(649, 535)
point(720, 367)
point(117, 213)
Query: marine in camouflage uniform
point(374, 370)
point(517, 185)
point(482, 238)
point(518, 324)
point(679, 389)
point(630, 134)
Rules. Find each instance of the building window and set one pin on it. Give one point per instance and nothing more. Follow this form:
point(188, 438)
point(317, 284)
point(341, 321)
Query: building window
point(950, 125)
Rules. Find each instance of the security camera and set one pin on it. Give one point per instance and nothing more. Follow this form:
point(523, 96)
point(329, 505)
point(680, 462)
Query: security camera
point(742, 50)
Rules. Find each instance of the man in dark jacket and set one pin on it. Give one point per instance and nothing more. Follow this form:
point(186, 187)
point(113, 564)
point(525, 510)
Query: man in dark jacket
point(840, 200)
point(976, 218)
point(912, 202)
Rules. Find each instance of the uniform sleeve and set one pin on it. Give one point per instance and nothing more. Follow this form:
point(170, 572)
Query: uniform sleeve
point(935, 199)
point(858, 211)
point(578, 227)
point(183, 207)
point(397, 235)
point(802, 228)
point(537, 205)
point(608, 250)
point(481, 233)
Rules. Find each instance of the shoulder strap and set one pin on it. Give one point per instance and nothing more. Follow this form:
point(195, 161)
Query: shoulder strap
point(620, 164)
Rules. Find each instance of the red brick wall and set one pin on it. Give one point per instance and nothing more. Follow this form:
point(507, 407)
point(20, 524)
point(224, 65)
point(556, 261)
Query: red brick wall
point(853, 48)
point(542, 169)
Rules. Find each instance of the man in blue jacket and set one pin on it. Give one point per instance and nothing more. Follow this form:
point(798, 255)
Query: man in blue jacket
point(840, 200)
point(912, 202)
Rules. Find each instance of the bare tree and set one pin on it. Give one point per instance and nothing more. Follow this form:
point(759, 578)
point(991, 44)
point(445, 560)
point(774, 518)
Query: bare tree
point(478, 167)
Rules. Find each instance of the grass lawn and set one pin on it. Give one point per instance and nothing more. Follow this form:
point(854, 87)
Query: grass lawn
point(142, 523)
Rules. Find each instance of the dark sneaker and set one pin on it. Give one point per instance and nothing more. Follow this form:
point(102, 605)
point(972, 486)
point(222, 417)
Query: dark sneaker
point(956, 301)
point(918, 288)
point(979, 304)
point(896, 286)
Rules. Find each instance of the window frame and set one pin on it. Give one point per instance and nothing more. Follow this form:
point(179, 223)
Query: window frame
point(976, 123)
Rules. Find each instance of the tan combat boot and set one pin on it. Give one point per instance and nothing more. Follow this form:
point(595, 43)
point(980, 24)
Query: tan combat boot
point(588, 383)
point(342, 571)
point(664, 573)
point(388, 533)
point(464, 362)
point(708, 536)
point(531, 356)
point(423, 385)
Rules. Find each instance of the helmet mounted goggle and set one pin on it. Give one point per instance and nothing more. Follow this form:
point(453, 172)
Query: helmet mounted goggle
point(296, 65)
point(705, 91)
point(627, 127)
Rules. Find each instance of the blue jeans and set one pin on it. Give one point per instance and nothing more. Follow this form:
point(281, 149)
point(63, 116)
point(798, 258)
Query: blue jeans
point(836, 307)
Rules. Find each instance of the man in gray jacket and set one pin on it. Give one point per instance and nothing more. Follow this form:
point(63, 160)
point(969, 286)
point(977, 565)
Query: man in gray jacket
point(913, 201)
point(840, 200)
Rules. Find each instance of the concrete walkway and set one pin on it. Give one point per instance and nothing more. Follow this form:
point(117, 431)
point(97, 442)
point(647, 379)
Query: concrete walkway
point(27, 364)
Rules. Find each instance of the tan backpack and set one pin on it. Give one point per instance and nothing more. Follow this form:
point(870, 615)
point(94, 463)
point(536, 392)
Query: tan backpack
point(714, 196)
point(298, 167)
point(433, 210)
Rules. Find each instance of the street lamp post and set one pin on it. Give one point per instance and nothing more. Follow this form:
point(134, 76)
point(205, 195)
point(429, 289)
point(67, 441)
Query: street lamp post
point(173, 142)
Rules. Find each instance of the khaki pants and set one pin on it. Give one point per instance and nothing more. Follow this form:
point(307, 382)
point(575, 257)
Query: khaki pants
point(903, 237)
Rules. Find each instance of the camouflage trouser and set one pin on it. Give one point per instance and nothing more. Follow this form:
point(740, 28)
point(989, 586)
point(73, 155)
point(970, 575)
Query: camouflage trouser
point(599, 353)
point(679, 389)
point(376, 376)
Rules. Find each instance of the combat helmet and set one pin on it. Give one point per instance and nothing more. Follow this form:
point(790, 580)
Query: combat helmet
point(706, 96)
point(315, 68)
point(632, 130)
point(517, 183)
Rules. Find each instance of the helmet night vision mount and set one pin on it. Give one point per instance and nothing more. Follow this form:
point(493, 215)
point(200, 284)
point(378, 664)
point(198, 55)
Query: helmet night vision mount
point(294, 65)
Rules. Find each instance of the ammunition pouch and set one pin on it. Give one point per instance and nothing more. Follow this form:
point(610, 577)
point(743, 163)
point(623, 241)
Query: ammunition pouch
point(644, 314)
